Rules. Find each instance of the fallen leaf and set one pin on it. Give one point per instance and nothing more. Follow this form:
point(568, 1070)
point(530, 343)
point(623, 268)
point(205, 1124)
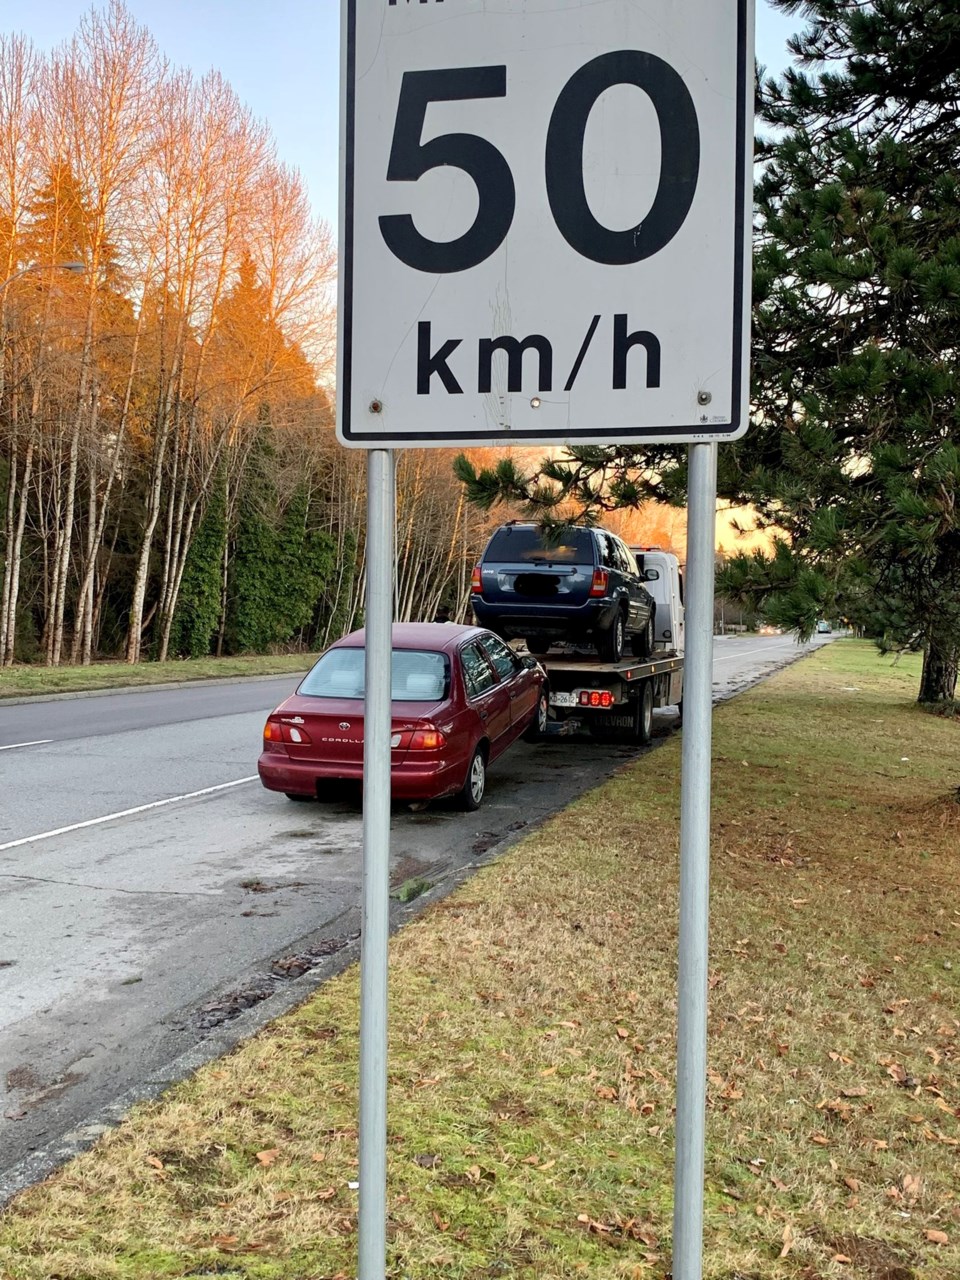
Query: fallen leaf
point(912, 1185)
point(549, 1071)
point(852, 1184)
point(840, 1257)
point(622, 1033)
point(821, 1140)
point(547, 1164)
point(858, 1092)
point(318, 1157)
point(154, 1162)
point(938, 1237)
point(224, 1242)
point(787, 1240)
point(267, 1157)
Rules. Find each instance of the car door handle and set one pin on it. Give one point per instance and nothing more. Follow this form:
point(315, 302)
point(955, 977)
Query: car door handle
point(484, 715)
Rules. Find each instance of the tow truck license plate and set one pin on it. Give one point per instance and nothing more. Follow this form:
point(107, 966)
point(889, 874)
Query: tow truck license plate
point(563, 699)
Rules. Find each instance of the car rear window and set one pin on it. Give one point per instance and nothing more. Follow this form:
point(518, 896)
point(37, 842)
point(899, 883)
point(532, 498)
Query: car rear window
point(418, 675)
point(522, 543)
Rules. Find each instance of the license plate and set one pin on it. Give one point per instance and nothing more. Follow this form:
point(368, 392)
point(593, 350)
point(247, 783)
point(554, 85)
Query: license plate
point(563, 700)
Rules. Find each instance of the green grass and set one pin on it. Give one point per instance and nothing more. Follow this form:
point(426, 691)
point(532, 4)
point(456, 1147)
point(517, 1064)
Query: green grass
point(22, 679)
point(532, 1044)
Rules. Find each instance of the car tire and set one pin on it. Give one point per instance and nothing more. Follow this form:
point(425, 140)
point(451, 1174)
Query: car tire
point(538, 645)
point(296, 795)
point(470, 795)
point(537, 728)
point(610, 643)
point(642, 645)
point(644, 720)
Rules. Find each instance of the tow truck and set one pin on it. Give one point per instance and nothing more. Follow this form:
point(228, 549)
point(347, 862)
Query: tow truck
point(614, 701)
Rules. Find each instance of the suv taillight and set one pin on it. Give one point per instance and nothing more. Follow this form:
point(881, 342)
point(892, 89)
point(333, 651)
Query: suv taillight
point(476, 585)
point(599, 585)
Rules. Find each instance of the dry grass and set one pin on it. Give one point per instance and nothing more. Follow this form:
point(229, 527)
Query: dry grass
point(15, 682)
point(531, 1073)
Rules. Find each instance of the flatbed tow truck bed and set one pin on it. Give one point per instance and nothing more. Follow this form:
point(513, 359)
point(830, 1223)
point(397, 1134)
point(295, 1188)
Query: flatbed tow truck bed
point(614, 701)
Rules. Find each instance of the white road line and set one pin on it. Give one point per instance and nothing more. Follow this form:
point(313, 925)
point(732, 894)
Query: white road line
point(40, 742)
point(748, 653)
point(126, 813)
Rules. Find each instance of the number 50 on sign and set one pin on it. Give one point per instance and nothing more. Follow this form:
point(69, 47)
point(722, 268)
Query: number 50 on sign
point(545, 221)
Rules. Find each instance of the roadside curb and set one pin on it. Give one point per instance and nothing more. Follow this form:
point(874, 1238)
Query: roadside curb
point(24, 699)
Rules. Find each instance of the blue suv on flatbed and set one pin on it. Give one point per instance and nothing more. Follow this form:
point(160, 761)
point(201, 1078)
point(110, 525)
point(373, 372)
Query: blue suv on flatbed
point(581, 586)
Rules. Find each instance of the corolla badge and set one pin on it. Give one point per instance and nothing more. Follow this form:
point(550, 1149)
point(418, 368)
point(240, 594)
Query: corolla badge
point(344, 724)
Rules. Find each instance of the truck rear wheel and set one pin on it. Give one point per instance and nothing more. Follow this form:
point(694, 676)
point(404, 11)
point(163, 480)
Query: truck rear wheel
point(645, 713)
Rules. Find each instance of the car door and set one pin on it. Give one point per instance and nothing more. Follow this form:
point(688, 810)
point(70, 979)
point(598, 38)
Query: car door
point(486, 696)
point(519, 680)
point(639, 601)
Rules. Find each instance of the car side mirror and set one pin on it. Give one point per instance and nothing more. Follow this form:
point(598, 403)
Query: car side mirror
point(529, 662)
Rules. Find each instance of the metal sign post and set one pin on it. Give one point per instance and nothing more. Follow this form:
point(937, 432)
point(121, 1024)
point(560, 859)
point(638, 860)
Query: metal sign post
point(694, 865)
point(375, 927)
point(545, 239)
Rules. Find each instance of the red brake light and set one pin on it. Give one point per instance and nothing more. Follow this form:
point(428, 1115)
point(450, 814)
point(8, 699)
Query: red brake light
point(428, 739)
point(596, 698)
point(476, 585)
point(599, 585)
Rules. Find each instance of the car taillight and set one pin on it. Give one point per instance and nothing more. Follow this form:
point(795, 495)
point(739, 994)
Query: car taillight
point(277, 730)
point(476, 584)
point(596, 698)
point(599, 585)
point(427, 740)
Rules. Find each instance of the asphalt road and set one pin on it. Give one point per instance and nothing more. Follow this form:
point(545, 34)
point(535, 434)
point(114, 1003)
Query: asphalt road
point(154, 899)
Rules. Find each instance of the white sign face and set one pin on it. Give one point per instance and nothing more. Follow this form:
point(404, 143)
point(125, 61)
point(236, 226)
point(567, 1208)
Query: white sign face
point(545, 221)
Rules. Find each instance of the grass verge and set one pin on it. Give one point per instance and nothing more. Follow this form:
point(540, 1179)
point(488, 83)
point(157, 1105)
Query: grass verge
point(531, 1069)
point(18, 681)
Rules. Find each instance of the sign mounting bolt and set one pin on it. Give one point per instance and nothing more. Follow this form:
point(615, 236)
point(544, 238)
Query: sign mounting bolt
point(376, 406)
point(704, 397)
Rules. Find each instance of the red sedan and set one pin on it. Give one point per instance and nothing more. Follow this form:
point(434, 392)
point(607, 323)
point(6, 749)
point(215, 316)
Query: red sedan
point(461, 697)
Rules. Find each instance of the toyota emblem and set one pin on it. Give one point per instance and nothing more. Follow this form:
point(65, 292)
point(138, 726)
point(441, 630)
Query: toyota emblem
point(344, 724)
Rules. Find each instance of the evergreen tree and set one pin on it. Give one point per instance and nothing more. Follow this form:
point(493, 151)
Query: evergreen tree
point(198, 603)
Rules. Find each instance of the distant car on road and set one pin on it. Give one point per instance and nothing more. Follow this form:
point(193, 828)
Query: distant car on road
point(824, 628)
point(582, 586)
point(461, 697)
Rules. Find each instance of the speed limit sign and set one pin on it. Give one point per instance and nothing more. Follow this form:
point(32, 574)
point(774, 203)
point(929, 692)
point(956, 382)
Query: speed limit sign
point(545, 221)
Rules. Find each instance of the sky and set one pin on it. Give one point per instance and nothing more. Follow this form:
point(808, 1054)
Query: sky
point(283, 59)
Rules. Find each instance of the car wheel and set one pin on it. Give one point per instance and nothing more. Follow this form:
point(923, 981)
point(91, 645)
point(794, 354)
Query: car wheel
point(470, 796)
point(537, 728)
point(641, 646)
point(538, 645)
point(610, 642)
point(645, 713)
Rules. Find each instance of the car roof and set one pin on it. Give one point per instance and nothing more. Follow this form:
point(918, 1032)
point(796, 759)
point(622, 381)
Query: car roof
point(445, 636)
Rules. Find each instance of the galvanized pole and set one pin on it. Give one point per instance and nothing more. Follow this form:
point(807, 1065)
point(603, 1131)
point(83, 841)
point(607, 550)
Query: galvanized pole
point(375, 936)
point(694, 866)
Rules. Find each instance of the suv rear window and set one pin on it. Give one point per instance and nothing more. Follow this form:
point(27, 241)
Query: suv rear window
point(518, 543)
